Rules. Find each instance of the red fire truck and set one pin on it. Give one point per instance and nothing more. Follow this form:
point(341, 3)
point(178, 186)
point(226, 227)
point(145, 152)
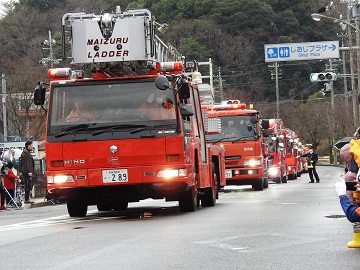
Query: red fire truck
point(244, 142)
point(277, 158)
point(292, 158)
point(132, 131)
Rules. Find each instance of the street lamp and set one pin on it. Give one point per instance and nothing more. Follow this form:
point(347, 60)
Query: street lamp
point(317, 17)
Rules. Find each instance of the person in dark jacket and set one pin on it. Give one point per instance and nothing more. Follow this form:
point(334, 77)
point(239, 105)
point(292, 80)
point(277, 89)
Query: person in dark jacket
point(312, 158)
point(27, 168)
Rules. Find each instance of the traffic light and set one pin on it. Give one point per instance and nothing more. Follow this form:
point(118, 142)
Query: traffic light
point(323, 77)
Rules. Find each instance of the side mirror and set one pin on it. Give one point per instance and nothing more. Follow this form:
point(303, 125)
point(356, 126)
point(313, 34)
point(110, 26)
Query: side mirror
point(186, 110)
point(266, 133)
point(183, 88)
point(265, 123)
point(250, 128)
point(254, 120)
point(39, 94)
point(162, 83)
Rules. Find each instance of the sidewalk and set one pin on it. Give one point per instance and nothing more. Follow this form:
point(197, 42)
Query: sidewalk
point(38, 202)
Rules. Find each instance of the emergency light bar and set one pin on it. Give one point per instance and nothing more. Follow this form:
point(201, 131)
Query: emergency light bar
point(235, 101)
point(230, 106)
point(59, 73)
point(65, 73)
point(171, 66)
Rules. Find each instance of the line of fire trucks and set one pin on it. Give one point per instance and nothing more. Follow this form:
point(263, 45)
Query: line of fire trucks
point(256, 150)
point(154, 130)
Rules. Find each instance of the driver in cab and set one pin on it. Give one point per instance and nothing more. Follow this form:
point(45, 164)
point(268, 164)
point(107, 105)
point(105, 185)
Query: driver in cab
point(157, 107)
point(80, 113)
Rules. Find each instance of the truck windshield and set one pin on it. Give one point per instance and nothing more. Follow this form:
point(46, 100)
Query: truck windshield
point(102, 105)
point(235, 128)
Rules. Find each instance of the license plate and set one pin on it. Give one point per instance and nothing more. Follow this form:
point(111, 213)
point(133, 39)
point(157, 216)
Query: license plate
point(228, 173)
point(113, 176)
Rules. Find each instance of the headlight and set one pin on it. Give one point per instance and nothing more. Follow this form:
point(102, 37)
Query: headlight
point(252, 162)
point(273, 170)
point(171, 173)
point(60, 179)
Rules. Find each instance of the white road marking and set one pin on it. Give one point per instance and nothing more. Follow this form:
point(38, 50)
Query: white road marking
point(64, 219)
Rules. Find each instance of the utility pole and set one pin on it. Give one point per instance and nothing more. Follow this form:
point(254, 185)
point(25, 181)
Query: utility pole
point(276, 66)
point(3, 85)
point(356, 16)
point(221, 87)
point(331, 84)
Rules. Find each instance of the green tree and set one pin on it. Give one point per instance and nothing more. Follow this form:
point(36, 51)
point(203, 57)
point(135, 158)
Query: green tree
point(43, 5)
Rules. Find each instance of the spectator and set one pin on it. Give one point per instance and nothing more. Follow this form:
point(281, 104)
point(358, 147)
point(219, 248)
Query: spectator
point(351, 210)
point(348, 203)
point(9, 182)
point(27, 169)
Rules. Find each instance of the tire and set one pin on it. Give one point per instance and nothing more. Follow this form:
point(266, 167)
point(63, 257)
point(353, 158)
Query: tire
point(120, 205)
point(277, 180)
point(104, 206)
point(291, 176)
point(209, 198)
point(283, 178)
point(266, 183)
point(258, 185)
point(77, 205)
point(188, 200)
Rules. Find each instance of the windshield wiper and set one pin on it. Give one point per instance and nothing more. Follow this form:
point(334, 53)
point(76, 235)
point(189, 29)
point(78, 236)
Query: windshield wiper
point(218, 140)
point(242, 138)
point(109, 128)
point(79, 127)
point(152, 127)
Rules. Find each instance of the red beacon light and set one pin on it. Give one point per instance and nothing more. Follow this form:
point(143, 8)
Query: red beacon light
point(171, 66)
point(59, 73)
point(231, 104)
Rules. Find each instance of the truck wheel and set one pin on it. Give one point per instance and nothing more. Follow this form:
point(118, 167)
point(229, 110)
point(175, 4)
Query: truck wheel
point(258, 185)
point(120, 205)
point(188, 200)
point(266, 183)
point(277, 180)
point(291, 176)
point(77, 205)
point(104, 206)
point(283, 178)
point(209, 198)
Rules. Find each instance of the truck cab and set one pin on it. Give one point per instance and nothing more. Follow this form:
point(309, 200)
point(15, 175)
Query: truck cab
point(243, 139)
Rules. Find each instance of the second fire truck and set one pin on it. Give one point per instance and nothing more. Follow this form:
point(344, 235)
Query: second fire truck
point(244, 140)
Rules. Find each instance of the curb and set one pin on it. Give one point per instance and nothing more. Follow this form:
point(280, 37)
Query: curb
point(39, 204)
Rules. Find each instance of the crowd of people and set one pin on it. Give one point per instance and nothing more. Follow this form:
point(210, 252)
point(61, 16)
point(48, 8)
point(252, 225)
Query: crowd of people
point(346, 188)
point(15, 171)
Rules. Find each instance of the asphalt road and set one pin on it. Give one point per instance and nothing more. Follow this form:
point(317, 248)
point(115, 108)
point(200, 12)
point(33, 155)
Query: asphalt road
point(288, 226)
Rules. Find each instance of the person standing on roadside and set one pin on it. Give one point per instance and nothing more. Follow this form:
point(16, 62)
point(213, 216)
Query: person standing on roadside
point(27, 168)
point(312, 158)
